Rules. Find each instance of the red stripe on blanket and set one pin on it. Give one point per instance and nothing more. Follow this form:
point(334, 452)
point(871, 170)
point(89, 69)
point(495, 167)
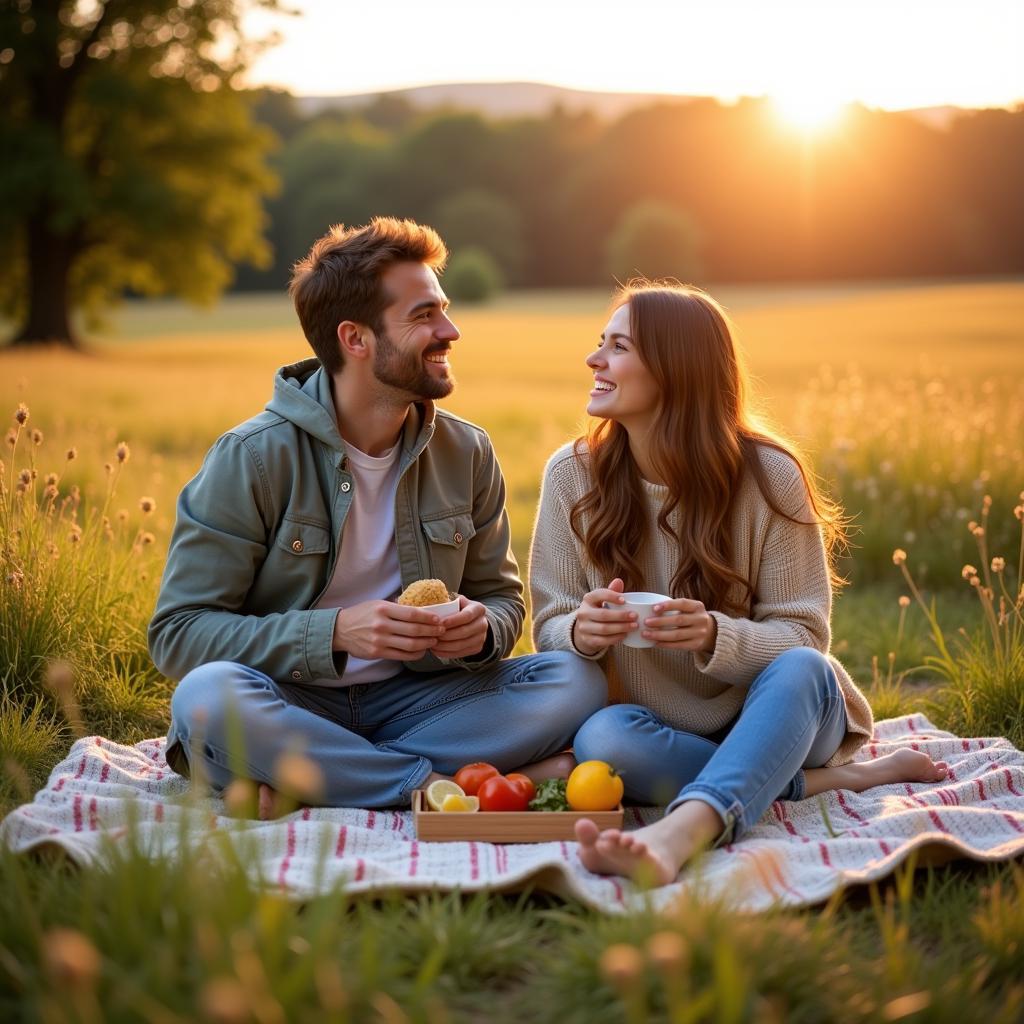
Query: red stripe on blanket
point(885, 847)
point(105, 772)
point(911, 726)
point(937, 821)
point(1013, 822)
point(371, 819)
point(360, 869)
point(81, 768)
point(414, 853)
point(474, 862)
point(76, 810)
point(306, 812)
point(873, 751)
point(966, 745)
point(287, 859)
point(93, 818)
point(950, 774)
point(824, 855)
point(498, 856)
point(618, 890)
point(848, 809)
point(981, 789)
point(60, 784)
point(396, 822)
point(565, 850)
point(158, 812)
point(1009, 782)
point(339, 849)
point(915, 746)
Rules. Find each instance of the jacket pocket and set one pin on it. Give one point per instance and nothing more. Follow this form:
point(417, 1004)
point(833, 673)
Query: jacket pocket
point(447, 540)
point(299, 537)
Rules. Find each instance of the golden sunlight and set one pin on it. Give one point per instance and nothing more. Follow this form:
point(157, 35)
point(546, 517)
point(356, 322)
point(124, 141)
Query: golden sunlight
point(808, 112)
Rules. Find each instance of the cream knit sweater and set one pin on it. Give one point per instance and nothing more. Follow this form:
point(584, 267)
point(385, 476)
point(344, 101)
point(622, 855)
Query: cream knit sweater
point(698, 692)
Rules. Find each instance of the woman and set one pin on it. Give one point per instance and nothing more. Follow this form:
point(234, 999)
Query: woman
point(676, 490)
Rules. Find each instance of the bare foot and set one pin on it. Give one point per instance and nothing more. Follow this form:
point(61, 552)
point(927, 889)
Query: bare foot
point(558, 766)
point(652, 855)
point(899, 766)
point(272, 805)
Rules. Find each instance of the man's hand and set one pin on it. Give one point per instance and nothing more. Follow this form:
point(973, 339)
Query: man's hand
point(465, 632)
point(383, 629)
point(691, 629)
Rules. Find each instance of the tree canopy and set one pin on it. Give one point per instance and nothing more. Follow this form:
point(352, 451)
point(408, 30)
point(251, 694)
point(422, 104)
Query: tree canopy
point(138, 165)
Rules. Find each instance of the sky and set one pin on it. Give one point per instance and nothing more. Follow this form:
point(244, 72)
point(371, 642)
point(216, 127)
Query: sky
point(893, 54)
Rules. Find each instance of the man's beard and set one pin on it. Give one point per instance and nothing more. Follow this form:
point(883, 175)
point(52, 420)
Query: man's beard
point(406, 372)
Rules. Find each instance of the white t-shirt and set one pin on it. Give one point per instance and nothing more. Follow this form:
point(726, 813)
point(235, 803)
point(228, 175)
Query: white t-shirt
point(367, 567)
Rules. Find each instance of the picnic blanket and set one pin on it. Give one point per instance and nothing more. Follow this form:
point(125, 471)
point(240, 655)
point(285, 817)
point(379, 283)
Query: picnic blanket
point(797, 855)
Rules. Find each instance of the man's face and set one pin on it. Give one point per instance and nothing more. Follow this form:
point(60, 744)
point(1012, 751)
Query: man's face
point(411, 353)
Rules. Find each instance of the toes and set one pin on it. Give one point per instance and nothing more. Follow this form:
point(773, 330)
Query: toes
point(586, 832)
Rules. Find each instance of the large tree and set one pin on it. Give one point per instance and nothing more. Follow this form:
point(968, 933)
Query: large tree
point(130, 161)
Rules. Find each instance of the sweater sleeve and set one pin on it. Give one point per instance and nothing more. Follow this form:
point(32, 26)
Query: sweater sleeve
point(792, 592)
point(557, 580)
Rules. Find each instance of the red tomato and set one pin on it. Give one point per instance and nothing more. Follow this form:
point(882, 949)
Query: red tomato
point(470, 776)
point(500, 794)
point(525, 781)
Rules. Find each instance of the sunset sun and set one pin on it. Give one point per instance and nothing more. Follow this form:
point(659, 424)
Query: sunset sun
point(807, 111)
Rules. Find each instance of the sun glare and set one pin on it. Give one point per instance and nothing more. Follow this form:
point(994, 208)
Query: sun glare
point(808, 112)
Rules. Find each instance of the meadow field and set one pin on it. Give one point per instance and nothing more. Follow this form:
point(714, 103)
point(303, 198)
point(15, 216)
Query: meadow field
point(909, 398)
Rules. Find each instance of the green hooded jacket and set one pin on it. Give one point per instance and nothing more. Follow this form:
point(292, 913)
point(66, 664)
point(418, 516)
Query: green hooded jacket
point(259, 527)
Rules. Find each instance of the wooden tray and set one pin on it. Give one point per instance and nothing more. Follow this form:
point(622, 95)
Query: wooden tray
point(503, 826)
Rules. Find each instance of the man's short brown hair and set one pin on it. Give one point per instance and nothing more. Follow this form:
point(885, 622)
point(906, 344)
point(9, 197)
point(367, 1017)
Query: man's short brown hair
point(340, 278)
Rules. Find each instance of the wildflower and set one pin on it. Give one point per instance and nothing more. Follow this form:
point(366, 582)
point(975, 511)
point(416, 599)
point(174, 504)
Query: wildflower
point(51, 492)
point(972, 526)
point(899, 556)
point(968, 571)
point(147, 538)
point(53, 550)
point(122, 515)
point(71, 454)
point(76, 533)
point(21, 414)
point(225, 1001)
point(15, 579)
point(298, 776)
point(37, 436)
point(998, 564)
point(12, 437)
point(25, 476)
point(122, 452)
point(108, 468)
point(71, 959)
point(975, 581)
point(986, 502)
point(621, 964)
point(147, 505)
point(904, 601)
point(666, 950)
point(51, 478)
point(60, 678)
point(978, 531)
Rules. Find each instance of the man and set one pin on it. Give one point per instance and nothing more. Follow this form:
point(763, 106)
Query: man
point(277, 612)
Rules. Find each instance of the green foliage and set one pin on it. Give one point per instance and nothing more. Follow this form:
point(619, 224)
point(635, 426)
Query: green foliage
point(654, 240)
point(482, 219)
point(472, 276)
point(139, 166)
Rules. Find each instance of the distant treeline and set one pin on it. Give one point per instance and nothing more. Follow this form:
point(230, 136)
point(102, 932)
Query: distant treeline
point(557, 200)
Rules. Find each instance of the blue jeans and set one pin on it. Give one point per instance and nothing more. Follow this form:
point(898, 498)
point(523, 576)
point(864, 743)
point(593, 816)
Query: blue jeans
point(794, 717)
point(376, 742)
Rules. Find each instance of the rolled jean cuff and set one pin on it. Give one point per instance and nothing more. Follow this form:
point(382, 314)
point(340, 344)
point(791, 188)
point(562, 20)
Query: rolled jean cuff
point(730, 811)
point(796, 788)
point(408, 787)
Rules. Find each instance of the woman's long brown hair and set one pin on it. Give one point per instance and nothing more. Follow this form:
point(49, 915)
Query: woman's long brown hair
point(703, 441)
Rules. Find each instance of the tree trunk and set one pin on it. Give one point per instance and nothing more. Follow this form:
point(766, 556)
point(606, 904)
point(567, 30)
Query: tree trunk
point(50, 256)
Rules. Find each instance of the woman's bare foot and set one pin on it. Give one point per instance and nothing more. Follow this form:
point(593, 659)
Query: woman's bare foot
point(899, 766)
point(652, 855)
point(559, 766)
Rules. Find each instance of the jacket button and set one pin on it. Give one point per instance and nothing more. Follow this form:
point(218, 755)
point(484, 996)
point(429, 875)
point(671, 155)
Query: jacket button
point(296, 674)
point(296, 546)
point(346, 486)
point(458, 538)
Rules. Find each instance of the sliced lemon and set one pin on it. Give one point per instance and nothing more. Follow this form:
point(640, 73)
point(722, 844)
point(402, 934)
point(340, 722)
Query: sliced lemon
point(454, 802)
point(439, 789)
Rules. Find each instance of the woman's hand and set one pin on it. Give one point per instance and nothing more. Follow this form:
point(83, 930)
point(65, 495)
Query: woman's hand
point(689, 628)
point(597, 627)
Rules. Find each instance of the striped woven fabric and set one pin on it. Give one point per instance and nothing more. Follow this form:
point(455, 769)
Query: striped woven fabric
point(798, 854)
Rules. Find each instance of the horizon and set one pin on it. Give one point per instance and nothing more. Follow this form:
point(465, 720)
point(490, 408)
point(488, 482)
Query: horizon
point(809, 57)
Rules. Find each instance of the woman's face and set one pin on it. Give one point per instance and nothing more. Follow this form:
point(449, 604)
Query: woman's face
point(624, 389)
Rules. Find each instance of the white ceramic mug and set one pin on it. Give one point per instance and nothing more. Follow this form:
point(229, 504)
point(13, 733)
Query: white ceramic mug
point(642, 604)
